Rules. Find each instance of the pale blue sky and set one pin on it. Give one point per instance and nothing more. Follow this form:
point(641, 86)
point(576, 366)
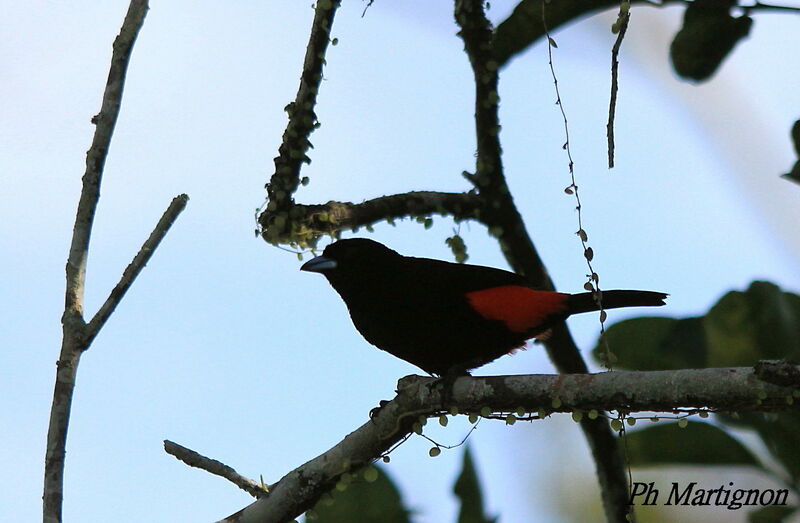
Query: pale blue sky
point(222, 345)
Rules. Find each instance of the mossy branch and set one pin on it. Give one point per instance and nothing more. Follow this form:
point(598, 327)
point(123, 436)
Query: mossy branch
point(735, 389)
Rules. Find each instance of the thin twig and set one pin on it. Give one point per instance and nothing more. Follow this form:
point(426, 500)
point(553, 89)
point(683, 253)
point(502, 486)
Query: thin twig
point(193, 459)
point(135, 267)
point(622, 26)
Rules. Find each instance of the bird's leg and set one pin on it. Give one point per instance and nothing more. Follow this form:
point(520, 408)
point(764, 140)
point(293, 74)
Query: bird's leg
point(445, 384)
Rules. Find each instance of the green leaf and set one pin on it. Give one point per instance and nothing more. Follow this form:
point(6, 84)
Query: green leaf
point(656, 344)
point(696, 444)
point(779, 431)
point(760, 323)
point(770, 514)
point(377, 501)
point(468, 490)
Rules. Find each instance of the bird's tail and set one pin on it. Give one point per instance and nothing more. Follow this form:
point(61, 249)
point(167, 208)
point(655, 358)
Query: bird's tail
point(585, 302)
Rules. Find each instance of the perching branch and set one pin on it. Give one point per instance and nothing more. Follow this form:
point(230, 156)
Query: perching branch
point(77, 334)
point(193, 459)
point(723, 389)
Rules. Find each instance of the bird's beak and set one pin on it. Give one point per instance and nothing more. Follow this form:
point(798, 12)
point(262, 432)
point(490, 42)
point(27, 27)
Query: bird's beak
point(319, 264)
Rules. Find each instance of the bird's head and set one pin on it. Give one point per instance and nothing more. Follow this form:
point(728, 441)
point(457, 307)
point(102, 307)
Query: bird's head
point(352, 259)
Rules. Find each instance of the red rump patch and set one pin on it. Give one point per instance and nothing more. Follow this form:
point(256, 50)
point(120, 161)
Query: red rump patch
point(520, 308)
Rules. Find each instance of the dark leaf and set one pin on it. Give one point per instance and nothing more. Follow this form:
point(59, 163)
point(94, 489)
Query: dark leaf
point(770, 514)
point(468, 490)
point(656, 343)
point(708, 35)
point(780, 433)
point(696, 444)
point(760, 323)
point(794, 174)
point(368, 502)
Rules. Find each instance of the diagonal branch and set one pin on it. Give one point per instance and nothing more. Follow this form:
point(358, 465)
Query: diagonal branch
point(177, 206)
point(505, 222)
point(723, 389)
point(212, 466)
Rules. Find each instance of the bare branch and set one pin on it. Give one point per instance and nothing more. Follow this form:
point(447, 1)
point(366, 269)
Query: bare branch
point(135, 267)
point(621, 26)
point(193, 459)
point(105, 121)
point(76, 334)
point(724, 389)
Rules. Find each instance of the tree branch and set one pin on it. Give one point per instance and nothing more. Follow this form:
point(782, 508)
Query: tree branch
point(309, 221)
point(76, 333)
point(212, 466)
point(505, 222)
point(723, 389)
point(277, 221)
point(524, 26)
point(135, 267)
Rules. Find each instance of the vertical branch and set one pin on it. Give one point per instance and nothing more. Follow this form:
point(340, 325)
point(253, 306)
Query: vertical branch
point(504, 221)
point(276, 222)
point(619, 27)
point(74, 338)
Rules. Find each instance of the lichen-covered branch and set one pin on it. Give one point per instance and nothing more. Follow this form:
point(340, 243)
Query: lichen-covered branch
point(302, 122)
point(310, 221)
point(727, 389)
